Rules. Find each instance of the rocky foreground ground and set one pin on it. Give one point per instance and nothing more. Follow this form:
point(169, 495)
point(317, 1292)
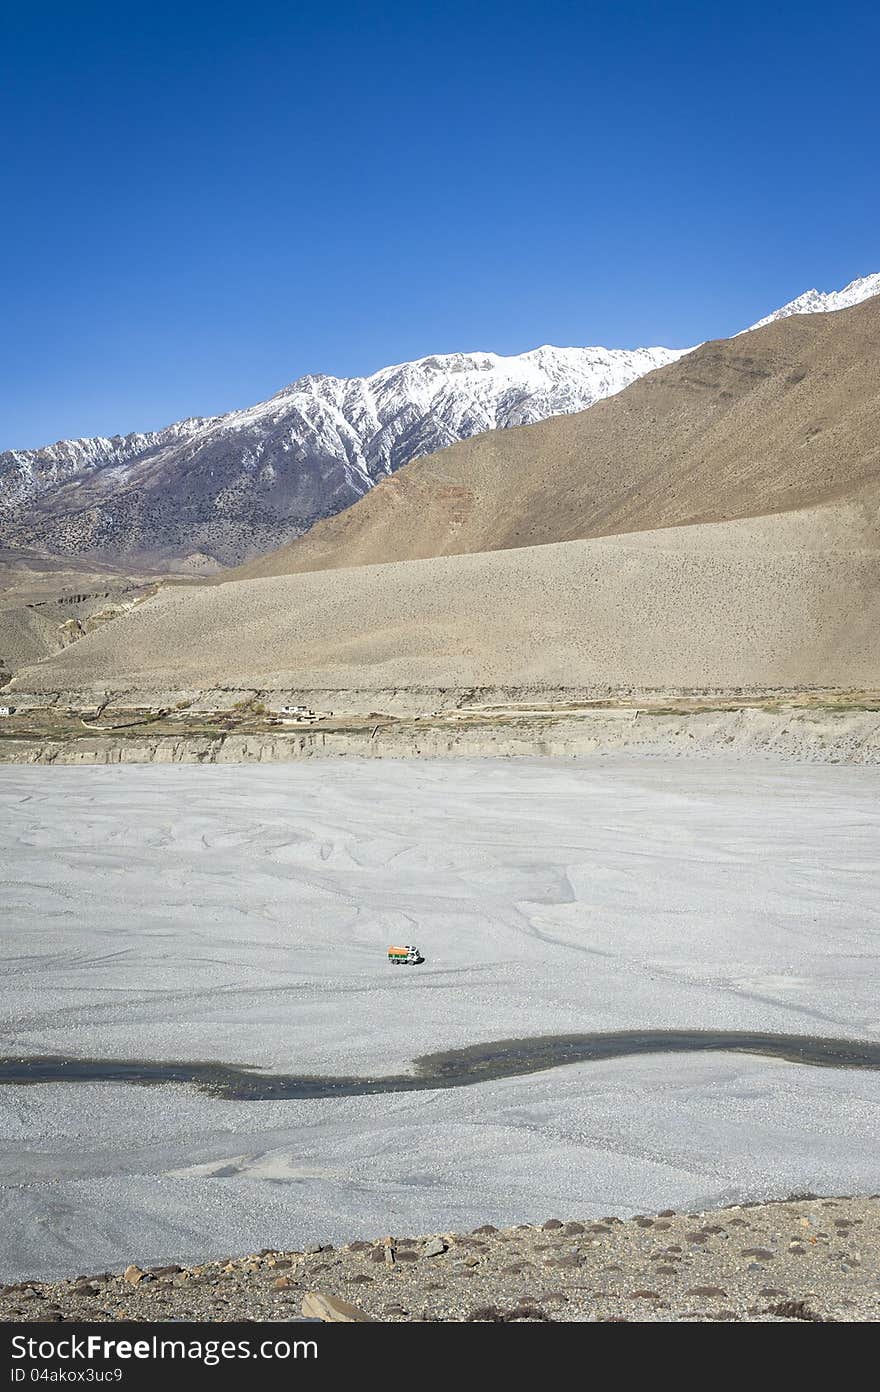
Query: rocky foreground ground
point(804, 1259)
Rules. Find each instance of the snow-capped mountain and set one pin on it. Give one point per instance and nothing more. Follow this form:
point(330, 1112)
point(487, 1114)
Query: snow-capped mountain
point(237, 485)
point(817, 302)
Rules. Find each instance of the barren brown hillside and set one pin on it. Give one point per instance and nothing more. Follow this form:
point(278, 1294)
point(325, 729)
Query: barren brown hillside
point(714, 527)
point(729, 605)
point(781, 418)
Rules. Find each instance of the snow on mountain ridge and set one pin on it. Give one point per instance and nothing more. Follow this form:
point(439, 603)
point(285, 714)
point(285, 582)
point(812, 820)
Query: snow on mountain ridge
point(244, 482)
point(826, 302)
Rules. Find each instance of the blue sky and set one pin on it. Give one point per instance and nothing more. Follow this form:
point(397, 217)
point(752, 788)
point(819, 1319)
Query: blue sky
point(201, 202)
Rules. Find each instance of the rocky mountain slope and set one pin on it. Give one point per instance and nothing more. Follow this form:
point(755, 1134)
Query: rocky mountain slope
point(783, 418)
point(241, 484)
point(236, 486)
point(714, 527)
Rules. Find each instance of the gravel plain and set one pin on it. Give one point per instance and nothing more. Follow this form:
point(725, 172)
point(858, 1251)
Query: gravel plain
point(242, 914)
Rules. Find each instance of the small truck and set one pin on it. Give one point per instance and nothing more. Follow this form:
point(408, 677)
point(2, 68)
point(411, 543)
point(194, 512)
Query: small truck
point(405, 956)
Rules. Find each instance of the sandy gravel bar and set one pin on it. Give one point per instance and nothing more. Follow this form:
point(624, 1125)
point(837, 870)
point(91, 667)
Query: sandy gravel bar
point(806, 1259)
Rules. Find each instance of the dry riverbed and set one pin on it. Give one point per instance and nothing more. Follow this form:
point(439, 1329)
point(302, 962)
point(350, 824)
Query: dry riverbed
point(238, 919)
point(805, 1259)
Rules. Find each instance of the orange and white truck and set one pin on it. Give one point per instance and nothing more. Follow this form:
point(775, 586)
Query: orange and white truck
point(405, 956)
